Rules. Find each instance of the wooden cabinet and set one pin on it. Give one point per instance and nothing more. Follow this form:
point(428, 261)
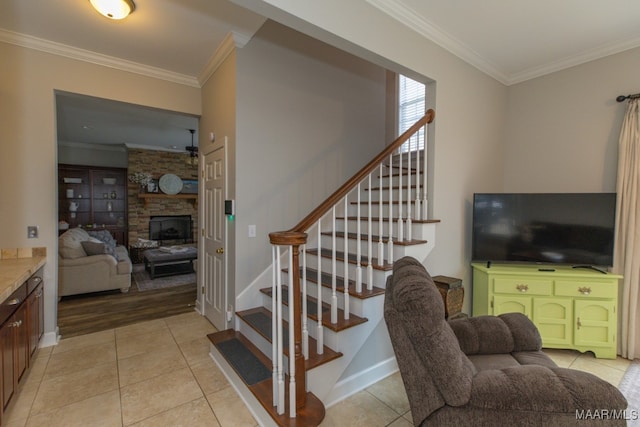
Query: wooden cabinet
point(94, 198)
point(21, 327)
point(571, 308)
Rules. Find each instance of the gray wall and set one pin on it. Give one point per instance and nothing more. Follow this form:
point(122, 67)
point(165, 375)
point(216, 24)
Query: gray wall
point(308, 117)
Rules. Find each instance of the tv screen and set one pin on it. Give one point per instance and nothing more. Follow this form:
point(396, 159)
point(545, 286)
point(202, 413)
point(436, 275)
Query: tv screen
point(556, 228)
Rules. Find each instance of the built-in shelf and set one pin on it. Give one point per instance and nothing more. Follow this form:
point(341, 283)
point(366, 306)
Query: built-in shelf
point(146, 196)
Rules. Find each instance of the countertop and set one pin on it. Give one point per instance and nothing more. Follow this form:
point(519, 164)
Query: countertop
point(14, 272)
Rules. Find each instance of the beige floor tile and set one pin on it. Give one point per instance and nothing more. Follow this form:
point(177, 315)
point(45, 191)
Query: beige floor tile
point(229, 409)
point(130, 345)
point(209, 377)
point(15, 423)
point(98, 411)
point(141, 328)
point(391, 392)
point(401, 422)
point(183, 318)
point(191, 330)
point(78, 359)
point(563, 358)
point(617, 363)
point(612, 375)
point(37, 370)
point(44, 351)
point(80, 341)
point(150, 364)
point(66, 389)
point(21, 402)
point(408, 416)
point(159, 394)
point(193, 414)
point(361, 409)
point(196, 351)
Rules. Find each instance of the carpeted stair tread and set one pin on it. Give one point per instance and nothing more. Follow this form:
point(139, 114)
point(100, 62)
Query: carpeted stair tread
point(374, 238)
point(353, 259)
point(243, 360)
point(260, 318)
point(312, 276)
point(312, 310)
point(313, 412)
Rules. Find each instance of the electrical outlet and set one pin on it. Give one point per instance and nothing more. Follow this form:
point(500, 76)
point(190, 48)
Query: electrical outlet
point(252, 231)
point(32, 231)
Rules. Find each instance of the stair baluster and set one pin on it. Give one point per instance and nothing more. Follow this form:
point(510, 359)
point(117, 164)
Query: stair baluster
point(345, 274)
point(319, 330)
point(380, 219)
point(334, 268)
point(425, 209)
point(358, 245)
point(408, 233)
point(305, 325)
point(390, 242)
point(275, 377)
point(418, 209)
point(369, 239)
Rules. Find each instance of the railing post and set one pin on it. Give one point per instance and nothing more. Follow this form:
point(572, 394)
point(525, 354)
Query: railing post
point(294, 240)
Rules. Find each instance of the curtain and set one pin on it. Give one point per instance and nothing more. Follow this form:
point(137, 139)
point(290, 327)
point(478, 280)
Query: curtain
point(627, 251)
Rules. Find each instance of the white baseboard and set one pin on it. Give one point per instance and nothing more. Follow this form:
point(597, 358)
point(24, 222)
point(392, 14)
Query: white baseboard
point(50, 338)
point(355, 383)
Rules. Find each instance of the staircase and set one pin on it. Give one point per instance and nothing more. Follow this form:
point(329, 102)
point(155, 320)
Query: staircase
point(310, 330)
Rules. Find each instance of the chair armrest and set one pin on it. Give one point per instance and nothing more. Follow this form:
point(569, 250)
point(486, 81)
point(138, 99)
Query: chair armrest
point(496, 334)
point(542, 389)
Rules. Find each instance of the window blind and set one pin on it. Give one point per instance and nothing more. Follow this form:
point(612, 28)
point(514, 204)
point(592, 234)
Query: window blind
point(411, 104)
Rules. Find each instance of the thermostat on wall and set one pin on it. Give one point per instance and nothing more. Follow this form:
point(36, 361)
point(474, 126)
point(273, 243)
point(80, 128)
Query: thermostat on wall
point(229, 207)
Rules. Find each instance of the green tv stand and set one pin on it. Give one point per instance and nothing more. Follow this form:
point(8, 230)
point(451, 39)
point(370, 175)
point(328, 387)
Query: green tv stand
point(572, 308)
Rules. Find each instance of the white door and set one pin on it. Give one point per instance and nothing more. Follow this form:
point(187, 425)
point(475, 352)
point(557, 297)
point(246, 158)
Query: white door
point(215, 295)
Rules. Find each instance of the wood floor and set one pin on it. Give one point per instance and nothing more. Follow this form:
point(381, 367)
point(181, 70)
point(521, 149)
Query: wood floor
point(84, 314)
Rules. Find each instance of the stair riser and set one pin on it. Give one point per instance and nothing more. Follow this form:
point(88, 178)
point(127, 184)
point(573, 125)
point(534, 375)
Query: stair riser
point(375, 210)
point(260, 342)
point(356, 305)
point(374, 194)
point(364, 226)
point(326, 266)
point(352, 244)
point(396, 180)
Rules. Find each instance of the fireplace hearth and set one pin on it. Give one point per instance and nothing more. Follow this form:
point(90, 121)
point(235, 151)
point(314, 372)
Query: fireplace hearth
point(171, 228)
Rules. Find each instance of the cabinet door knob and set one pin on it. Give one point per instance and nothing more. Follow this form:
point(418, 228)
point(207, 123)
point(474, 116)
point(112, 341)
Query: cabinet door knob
point(522, 288)
point(585, 290)
point(578, 323)
point(14, 301)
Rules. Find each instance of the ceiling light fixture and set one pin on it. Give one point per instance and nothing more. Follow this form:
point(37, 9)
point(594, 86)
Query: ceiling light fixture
point(114, 9)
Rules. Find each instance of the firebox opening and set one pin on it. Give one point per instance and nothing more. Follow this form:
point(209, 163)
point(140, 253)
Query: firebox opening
point(173, 228)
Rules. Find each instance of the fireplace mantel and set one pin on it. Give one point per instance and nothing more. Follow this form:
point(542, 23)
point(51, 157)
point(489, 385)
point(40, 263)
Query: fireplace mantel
point(146, 196)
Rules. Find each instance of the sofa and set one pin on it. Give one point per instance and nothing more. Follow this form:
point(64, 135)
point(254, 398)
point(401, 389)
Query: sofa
point(91, 261)
point(486, 370)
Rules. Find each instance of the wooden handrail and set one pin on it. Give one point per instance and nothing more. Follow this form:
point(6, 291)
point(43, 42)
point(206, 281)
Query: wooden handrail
point(341, 192)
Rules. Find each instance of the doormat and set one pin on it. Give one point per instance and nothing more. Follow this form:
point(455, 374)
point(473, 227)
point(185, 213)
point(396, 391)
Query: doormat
point(145, 283)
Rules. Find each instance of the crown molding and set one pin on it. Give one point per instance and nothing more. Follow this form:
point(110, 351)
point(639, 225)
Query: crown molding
point(412, 19)
point(104, 147)
point(67, 51)
point(233, 40)
point(572, 61)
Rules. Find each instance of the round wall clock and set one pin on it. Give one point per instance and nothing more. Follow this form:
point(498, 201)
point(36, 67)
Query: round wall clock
point(170, 184)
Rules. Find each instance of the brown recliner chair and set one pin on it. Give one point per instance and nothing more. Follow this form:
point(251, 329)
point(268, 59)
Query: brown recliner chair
point(487, 370)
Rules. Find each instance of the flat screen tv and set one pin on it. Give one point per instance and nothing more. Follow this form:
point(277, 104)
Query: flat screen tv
point(552, 228)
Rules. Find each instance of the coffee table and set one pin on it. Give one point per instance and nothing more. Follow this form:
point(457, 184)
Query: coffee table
point(161, 263)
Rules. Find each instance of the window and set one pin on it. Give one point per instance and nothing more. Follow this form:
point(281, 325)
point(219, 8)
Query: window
point(411, 106)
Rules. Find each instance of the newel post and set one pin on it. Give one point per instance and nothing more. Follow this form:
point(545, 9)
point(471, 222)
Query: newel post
point(294, 240)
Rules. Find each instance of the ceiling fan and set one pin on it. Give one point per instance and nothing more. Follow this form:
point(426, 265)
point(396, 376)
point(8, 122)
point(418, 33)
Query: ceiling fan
point(193, 150)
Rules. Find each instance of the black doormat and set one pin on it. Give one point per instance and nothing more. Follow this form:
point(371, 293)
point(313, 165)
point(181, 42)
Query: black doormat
point(246, 364)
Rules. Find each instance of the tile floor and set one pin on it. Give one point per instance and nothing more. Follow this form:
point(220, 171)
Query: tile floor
point(158, 373)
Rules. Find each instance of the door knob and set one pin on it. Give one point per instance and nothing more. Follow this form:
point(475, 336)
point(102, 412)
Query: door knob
point(220, 250)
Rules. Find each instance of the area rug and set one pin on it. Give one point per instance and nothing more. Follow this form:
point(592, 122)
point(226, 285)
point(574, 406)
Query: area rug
point(630, 388)
point(145, 283)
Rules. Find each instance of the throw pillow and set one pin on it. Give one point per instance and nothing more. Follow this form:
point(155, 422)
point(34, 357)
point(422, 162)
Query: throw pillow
point(93, 248)
point(104, 236)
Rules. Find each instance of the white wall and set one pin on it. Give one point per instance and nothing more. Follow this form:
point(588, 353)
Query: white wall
point(28, 152)
point(562, 129)
point(470, 110)
point(309, 116)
